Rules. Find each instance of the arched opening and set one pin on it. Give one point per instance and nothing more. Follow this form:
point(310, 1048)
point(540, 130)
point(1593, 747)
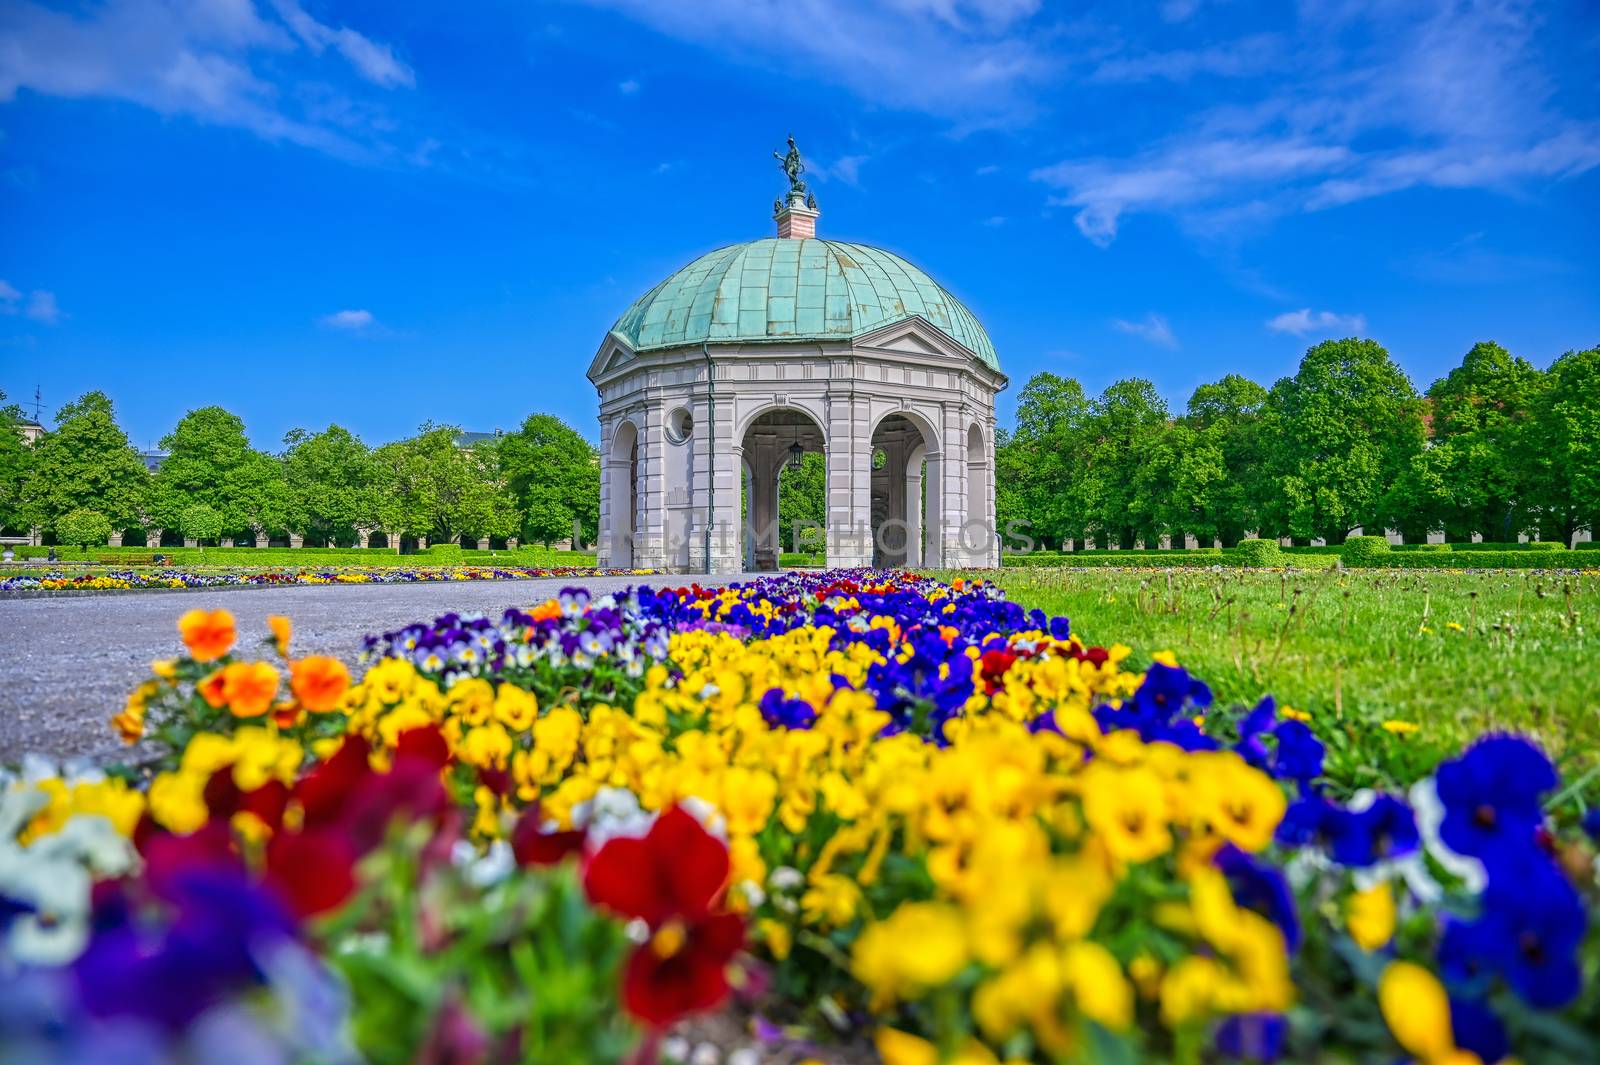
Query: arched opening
point(378, 539)
point(622, 484)
point(978, 535)
point(775, 447)
point(900, 535)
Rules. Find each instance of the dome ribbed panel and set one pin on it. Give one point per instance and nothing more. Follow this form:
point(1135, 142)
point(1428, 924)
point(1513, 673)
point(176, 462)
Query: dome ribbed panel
point(794, 290)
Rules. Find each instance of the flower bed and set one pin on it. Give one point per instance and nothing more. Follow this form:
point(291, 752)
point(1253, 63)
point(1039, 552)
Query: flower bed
point(166, 579)
point(842, 804)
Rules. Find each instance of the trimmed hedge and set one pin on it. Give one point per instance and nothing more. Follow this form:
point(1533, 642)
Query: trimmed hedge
point(1113, 559)
point(1482, 560)
point(1587, 545)
point(314, 557)
point(800, 558)
point(1364, 550)
point(1257, 552)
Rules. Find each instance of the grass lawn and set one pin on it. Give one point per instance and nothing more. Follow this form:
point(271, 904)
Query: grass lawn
point(1455, 654)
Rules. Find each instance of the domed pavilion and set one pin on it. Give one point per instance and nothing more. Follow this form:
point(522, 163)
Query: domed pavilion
point(754, 354)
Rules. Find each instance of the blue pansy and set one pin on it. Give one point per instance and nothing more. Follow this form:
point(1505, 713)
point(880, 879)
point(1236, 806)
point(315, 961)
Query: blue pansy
point(1252, 1036)
point(1261, 887)
point(1491, 797)
point(1385, 829)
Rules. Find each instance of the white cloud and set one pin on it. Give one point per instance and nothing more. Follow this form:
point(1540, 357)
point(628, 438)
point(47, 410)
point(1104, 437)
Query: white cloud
point(1371, 99)
point(974, 59)
point(374, 61)
point(628, 87)
point(351, 321)
point(846, 168)
point(40, 305)
point(1153, 328)
point(1242, 58)
point(217, 61)
point(1178, 10)
point(1306, 321)
point(1180, 176)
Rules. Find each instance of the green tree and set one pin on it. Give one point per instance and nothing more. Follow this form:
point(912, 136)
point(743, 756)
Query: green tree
point(1475, 478)
point(200, 522)
point(86, 462)
point(803, 498)
point(15, 456)
point(1226, 416)
point(1565, 452)
point(205, 449)
point(1182, 482)
point(553, 475)
point(260, 493)
point(83, 528)
point(1342, 432)
point(1043, 484)
point(331, 480)
point(1124, 427)
point(430, 487)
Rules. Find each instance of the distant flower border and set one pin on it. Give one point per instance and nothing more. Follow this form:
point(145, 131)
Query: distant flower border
point(179, 579)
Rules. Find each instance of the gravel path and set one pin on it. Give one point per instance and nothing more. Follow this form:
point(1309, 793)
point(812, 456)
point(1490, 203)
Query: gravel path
point(68, 663)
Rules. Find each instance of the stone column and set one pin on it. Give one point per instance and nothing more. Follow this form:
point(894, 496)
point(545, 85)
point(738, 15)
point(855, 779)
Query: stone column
point(36, 536)
point(262, 539)
point(363, 537)
point(394, 537)
point(422, 543)
point(152, 538)
point(297, 540)
point(511, 543)
point(114, 540)
point(1436, 538)
point(914, 507)
point(1393, 536)
point(1190, 542)
point(849, 435)
point(190, 541)
point(718, 476)
point(226, 541)
point(1477, 538)
point(483, 543)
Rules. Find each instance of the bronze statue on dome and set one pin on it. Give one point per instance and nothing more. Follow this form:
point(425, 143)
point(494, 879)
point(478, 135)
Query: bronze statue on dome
point(793, 168)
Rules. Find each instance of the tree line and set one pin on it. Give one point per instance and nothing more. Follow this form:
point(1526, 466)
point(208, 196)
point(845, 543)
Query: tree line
point(533, 484)
point(1496, 447)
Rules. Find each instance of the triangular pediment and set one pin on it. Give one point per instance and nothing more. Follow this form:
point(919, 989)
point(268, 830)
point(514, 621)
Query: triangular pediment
point(613, 355)
point(915, 336)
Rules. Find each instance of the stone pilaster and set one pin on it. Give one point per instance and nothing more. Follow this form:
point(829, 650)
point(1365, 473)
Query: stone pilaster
point(297, 540)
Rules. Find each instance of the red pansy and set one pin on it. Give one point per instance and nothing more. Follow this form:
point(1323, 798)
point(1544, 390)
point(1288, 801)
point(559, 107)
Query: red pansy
point(672, 879)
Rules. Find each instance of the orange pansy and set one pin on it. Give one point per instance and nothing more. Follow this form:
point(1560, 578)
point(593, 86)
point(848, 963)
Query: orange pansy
point(208, 634)
point(249, 688)
point(319, 682)
point(281, 628)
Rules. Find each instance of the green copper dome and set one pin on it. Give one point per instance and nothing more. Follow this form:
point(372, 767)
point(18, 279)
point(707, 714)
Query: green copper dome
point(777, 289)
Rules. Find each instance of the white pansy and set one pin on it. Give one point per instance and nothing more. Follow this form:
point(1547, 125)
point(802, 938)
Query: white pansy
point(1429, 810)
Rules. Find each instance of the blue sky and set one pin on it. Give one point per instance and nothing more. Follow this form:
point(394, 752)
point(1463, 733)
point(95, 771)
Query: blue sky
point(379, 214)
